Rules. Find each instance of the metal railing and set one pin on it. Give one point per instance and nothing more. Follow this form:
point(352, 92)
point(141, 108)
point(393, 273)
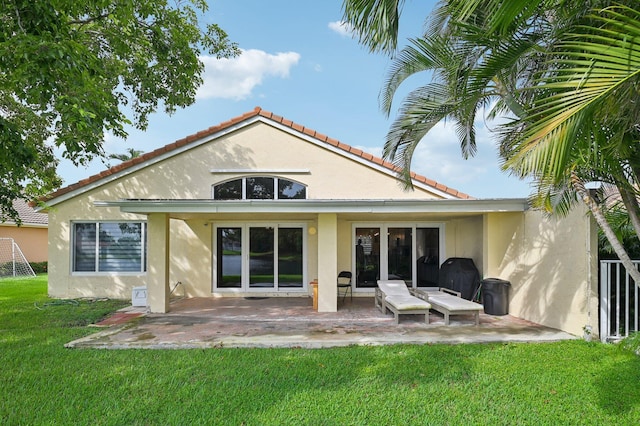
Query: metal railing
point(619, 301)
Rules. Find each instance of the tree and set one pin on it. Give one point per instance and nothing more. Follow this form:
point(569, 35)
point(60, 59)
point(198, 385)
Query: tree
point(513, 54)
point(72, 69)
point(128, 155)
point(584, 122)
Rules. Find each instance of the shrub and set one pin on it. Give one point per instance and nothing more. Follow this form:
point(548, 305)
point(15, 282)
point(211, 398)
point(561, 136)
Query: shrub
point(39, 267)
point(631, 343)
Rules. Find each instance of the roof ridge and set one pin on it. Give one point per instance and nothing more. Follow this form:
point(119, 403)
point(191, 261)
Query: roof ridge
point(256, 112)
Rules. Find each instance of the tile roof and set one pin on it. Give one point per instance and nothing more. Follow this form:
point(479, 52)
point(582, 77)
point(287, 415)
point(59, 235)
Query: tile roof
point(256, 112)
point(28, 215)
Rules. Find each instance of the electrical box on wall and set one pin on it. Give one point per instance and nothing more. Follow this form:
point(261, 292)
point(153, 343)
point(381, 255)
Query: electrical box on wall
point(139, 296)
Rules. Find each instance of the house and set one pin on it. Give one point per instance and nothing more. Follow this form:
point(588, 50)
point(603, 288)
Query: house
point(261, 206)
point(31, 235)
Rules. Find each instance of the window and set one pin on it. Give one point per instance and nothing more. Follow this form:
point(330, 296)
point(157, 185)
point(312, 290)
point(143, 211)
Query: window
point(109, 247)
point(231, 190)
point(259, 188)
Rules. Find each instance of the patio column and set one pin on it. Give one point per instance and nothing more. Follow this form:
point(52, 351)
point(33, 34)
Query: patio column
point(327, 262)
point(158, 262)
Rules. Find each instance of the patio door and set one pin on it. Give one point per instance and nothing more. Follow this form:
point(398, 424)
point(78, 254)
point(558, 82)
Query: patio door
point(409, 252)
point(260, 257)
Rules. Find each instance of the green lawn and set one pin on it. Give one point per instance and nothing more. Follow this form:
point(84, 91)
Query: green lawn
point(41, 382)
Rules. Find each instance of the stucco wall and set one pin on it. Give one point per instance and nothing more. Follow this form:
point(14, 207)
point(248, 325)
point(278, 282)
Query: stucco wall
point(331, 176)
point(464, 238)
point(31, 240)
point(550, 263)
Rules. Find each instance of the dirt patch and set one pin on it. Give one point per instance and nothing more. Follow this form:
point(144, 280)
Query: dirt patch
point(146, 336)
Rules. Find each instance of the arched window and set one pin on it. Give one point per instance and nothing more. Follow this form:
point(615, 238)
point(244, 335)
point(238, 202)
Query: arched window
point(259, 188)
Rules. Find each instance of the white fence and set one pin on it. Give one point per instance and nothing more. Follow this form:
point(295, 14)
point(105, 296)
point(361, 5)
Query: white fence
point(619, 301)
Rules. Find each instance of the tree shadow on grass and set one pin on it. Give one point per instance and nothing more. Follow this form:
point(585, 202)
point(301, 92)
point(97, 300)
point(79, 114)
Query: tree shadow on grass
point(619, 387)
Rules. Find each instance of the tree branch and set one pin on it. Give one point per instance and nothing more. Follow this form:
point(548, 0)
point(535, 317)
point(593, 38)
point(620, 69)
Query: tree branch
point(89, 19)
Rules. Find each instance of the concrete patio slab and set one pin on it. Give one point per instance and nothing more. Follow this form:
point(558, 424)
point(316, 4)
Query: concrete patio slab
point(292, 322)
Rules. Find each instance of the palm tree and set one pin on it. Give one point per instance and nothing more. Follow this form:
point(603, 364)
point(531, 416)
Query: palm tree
point(511, 54)
point(130, 154)
point(583, 121)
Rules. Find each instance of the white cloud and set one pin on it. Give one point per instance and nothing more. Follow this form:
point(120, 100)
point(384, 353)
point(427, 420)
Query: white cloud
point(342, 28)
point(236, 78)
point(438, 156)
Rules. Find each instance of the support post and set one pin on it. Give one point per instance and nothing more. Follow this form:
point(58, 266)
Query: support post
point(327, 262)
point(158, 262)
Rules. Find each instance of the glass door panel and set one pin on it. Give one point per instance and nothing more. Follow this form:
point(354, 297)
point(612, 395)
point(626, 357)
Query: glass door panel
point(290, 266)
point(367, 257)
point(399, 256)
point(229, 264)
point(428, 254)
point(261, 257)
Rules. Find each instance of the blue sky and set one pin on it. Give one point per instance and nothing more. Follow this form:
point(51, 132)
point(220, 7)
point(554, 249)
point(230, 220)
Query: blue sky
point(299, 62)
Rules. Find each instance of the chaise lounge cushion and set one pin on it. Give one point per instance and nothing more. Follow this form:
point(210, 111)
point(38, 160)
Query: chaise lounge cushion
point(394, 287)
point(405, 303)
point(449, 302)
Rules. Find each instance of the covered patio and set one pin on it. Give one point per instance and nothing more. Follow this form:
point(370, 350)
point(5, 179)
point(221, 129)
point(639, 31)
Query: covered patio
point(291, 322)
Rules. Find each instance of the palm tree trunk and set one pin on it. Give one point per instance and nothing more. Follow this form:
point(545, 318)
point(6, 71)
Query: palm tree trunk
point(631, 204)
point(595, 210)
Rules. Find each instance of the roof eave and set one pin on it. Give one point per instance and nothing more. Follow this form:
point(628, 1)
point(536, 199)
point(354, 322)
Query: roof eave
point(319, 206)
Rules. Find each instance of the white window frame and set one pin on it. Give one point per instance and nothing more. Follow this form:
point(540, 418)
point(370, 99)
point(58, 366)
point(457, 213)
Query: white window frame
point(384, 246)
point(244, 286)
point(276, 181)
point(72, 248)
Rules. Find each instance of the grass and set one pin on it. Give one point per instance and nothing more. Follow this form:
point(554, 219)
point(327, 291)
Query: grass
point(41, 382)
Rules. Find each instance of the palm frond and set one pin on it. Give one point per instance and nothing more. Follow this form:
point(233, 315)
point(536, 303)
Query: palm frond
point(586, 73)
point(421, 55)
point(375, 22)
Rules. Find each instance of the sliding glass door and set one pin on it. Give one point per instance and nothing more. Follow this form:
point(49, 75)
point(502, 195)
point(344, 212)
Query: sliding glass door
point(261, 261)
point(229, 257)
point(409, 252)
point(259, 257)
point(399, 257)
point(367, 254)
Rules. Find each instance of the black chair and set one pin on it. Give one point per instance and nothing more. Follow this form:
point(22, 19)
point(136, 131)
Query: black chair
point(344, 285)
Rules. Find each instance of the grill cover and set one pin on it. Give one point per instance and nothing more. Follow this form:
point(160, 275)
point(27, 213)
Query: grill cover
point(460, 274)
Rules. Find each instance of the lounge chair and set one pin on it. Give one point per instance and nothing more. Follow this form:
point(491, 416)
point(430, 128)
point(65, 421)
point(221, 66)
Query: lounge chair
point(394, 296)
point(448, 302)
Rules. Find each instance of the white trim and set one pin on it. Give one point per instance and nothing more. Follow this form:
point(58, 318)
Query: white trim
point(261, 171)
point(24, 225)
point(142, 206)
point(244, 178)
point(72, 248)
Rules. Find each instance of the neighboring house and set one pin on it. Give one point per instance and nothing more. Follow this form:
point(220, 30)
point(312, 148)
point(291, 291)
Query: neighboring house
point(261, 206)
point(31, 235)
